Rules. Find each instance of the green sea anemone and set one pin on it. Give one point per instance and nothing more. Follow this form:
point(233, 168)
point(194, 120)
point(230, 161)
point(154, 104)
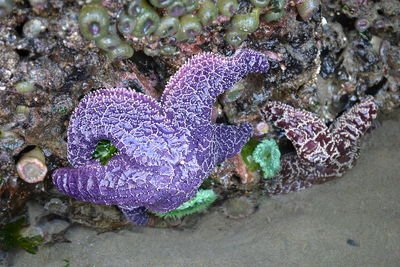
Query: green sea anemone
point(248, 22)
point(120, 52)
point(227, 7)
point(207, 12)
point(168, 26)
point(267, 154)
point(203, 199)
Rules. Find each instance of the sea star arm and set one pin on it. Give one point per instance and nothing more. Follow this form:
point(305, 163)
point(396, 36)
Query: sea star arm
point(115, 183)
point(190, 93)
point(229, 140)
point(307, 132)
point(355, 122)
point(111, 114)
point(138, 215)
point(342, 148)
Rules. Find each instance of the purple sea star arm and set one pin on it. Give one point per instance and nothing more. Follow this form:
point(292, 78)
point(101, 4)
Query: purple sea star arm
point(118, 115)
point(109, 185)
point(191, 92)
point(229, 140)
point(307, 132)
point(138, 215)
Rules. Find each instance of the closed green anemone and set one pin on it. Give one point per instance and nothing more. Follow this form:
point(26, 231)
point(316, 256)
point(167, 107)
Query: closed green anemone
point(227, 7)
point(93, 21)
point(207, 12)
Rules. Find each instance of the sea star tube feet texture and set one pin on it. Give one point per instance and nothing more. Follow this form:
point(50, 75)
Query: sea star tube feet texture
point(323, 153)
point(166, 149)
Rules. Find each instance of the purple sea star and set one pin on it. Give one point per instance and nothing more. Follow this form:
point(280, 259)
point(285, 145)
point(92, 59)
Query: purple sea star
point(165, 150)
point(323, 153)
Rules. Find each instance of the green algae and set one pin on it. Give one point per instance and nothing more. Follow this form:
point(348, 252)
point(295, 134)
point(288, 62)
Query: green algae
point(104, 151)
point(11, 237)
point(247, 155)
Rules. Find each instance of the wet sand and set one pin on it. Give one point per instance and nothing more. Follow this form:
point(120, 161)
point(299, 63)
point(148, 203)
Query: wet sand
point(353, 221)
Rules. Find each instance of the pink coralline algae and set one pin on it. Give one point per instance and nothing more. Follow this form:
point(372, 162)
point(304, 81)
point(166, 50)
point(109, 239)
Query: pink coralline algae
point(323, 153)
point(165, 150)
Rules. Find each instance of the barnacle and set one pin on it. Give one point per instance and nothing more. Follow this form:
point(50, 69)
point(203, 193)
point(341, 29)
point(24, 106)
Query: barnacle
point(362, 24)
point(24, 87)
point(32, 28)
point(31, 167)
point(307, 8)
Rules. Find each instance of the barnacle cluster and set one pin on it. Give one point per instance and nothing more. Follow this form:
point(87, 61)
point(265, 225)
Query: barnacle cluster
point(162, 22)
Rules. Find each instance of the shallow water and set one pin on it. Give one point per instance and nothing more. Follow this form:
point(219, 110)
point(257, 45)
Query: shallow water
point(353, 221)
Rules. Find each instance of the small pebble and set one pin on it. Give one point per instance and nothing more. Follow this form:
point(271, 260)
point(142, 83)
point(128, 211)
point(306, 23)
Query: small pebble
point(352, 243)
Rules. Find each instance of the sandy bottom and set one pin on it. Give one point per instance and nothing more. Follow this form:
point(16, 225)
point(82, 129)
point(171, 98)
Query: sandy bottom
point(353, 221)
